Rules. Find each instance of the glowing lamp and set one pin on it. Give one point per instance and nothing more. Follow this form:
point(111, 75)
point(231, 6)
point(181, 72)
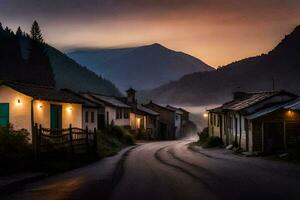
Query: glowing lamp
point(205, 115)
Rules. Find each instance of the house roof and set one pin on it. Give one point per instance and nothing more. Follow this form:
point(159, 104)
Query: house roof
point(43, 92)
point(160, 106)
point(249, 99)
point(87, 101)
point(147, 110)
point(109, 100)
point(178, 110)
point(293, 105)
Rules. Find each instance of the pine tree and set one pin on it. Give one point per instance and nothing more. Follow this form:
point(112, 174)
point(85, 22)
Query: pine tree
point(19, 32)
point(36, 33)
point(1, 27)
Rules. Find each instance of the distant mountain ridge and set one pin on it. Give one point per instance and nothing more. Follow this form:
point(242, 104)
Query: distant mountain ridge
point(280, 68)
point(23, 60)
point(142, 67)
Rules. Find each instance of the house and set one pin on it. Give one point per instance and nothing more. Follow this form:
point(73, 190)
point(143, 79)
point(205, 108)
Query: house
point(23, 105)
point(178, 120)
point(142, 119)
point(114, 111)
point(168, 126)
point(91, 112)
point(245, 123)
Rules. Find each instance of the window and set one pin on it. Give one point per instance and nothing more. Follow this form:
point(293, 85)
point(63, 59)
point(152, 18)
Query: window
point(86, 116)
point(126, 114)
point(92, 117)
point(211, 119)
point(119, 113)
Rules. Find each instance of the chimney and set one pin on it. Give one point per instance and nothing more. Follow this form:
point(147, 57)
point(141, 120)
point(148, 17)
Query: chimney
point(238, 94)
point(131, 96)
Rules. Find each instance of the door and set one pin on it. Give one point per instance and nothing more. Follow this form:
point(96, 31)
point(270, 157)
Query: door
point(4, 114)
point(221, 126)
point(55, 116)
point(101, 121)
point(273, 137)
point(293, 134)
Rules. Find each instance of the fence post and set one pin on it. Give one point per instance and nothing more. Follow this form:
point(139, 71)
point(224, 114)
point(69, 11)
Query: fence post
point(34, 140)
point(71, 139)
point(87, 138)
point(39, 136)
point(95, 140)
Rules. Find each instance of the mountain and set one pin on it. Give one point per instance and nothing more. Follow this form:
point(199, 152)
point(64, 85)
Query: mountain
point(25, 60)
point(142, 67)
point(278, 69)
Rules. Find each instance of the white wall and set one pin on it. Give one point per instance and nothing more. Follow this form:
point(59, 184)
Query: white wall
point(20, 113)
point(91, 125)
point(112, 117)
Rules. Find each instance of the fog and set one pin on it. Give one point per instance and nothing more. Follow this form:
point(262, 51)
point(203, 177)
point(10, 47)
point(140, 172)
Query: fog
point(196, 114)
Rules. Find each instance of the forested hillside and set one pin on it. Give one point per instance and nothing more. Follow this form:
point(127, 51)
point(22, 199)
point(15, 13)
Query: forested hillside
point(26, 58)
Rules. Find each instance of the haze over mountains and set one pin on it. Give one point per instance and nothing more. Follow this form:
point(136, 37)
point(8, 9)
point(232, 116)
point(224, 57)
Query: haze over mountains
point(25, 60)
point(142, 67)
point(280, 68)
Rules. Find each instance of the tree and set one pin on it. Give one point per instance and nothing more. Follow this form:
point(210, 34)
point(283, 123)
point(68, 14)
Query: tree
point(36, 33)
point(1, 27)
point(19, 32)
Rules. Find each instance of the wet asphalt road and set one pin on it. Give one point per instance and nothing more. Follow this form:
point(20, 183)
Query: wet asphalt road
point(173, 170)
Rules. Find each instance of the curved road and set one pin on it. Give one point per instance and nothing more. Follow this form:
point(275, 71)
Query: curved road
point(173, 170)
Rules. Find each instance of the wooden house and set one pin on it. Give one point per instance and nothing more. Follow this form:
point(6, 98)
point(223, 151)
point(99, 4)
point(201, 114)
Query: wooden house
point(167, 121)
point(245, 123)
point(23, 105)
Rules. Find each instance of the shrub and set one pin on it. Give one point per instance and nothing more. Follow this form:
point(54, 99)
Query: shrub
point(15, 151)
point(121, 133)
point(203, 136)
point(213, 142)
point(142, 135)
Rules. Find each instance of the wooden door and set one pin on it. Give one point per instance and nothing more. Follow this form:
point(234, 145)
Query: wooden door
point(4, 114)
point(55, 116)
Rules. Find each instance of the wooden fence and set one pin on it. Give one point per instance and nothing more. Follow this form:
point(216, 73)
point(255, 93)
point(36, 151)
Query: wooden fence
point(75, 140)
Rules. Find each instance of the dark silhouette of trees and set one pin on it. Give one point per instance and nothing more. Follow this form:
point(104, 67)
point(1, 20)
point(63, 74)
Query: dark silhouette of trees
point(19, 32)
point(36, 33)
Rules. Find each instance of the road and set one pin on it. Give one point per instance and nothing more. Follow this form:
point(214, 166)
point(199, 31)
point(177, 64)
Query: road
point(174, 170)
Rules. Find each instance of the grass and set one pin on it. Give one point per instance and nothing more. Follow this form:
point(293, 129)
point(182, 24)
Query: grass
point(207, 141)
point(16, 155)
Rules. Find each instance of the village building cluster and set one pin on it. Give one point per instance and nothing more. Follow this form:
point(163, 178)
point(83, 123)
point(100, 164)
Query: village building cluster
point(25, 105)
point(258, 122)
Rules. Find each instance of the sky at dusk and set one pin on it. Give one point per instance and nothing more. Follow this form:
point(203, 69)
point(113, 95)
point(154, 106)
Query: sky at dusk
point(216, 31)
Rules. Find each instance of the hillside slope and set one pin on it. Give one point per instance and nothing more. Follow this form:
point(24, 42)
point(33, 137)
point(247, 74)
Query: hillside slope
point(142, 67)
point(24, 60)
point(280, 68)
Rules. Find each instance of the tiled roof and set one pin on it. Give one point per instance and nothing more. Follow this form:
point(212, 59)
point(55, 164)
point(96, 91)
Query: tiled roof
point(146, 110)
point(110, 100)
point(87, 102)
point(43, 92)
point(293, 105)
point(175, 109)
point(160, 106)
point(250, 99)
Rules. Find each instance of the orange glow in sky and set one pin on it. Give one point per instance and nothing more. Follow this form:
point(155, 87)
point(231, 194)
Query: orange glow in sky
point(216, 31)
